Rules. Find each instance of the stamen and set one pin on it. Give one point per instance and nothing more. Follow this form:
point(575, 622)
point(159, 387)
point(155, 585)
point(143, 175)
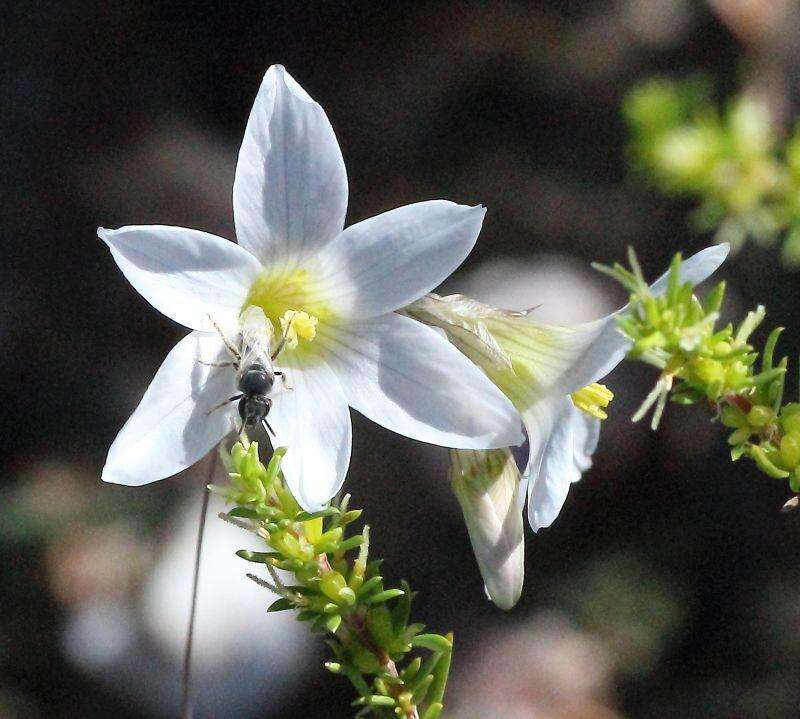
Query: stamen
point(593, 399)
point(297, 325)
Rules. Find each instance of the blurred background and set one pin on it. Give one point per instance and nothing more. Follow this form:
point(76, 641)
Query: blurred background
point(668, 586)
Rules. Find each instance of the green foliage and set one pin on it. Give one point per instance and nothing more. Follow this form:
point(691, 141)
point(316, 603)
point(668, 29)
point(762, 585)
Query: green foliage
point(730, 160)
point(678, 334)
point(338, 591)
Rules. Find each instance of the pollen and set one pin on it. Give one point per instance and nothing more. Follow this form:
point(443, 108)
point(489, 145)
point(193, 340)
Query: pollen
point(297, 325)
point(593, 399)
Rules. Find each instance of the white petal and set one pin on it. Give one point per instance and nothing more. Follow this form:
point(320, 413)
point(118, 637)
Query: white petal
point(565, 454)
point(386, 262)
point(290, 189)
point(601, 346)
point(586, 435)
point(313, 421)
point(186, 274)
point(408, 378)
point(173, 426)
point(487, 487)
point(700, 266)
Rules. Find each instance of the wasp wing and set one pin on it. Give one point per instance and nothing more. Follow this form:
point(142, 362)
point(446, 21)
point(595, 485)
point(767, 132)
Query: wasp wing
point(256, 332)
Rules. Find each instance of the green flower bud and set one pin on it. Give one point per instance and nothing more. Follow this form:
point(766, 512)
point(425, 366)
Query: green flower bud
point(722, 349)
point(709, 370)
point(790, 418)
point(790, 450)
point(733, 417)
point(760, 416)
point(331, 585)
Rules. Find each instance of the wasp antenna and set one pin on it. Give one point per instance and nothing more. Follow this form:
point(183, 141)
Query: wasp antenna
point(268, 427)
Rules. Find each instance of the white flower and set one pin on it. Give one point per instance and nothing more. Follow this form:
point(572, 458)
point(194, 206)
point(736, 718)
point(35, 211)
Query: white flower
point(347, 347)
point(550, 374)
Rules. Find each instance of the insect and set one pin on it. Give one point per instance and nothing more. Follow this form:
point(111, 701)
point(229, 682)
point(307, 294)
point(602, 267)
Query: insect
point(255, 373)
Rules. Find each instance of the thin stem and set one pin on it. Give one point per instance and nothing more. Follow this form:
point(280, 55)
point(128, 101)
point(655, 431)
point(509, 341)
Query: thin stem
point(186, 696)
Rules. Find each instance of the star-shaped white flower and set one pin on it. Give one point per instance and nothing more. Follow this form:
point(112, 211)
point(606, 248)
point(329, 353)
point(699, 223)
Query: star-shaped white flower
point(294, 259)
point(549, 372)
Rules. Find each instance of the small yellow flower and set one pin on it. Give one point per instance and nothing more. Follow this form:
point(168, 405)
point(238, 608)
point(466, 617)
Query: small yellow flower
point(593, 399)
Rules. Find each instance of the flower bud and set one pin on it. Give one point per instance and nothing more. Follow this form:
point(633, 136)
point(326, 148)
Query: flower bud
point(790, 418)
point(331, 584)
point(760, 416)
point(790, 450)
point(487, 486)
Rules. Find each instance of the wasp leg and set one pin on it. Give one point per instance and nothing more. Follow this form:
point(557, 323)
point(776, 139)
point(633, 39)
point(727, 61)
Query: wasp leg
point(218, 364)
point(231, 348)
point(284, 379)
point(268, 427)
point(222, 404)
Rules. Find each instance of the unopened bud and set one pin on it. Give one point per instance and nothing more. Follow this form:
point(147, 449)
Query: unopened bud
point(487, 485)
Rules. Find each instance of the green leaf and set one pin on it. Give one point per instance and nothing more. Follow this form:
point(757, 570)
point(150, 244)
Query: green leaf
point(714, 299)
point(408, 674)
point(764, 464)
point(433, 642)
point(379, 624)
point(384, 596)
point(371, 585)
point(769, 348)
point(351, 543)
point(332, 623)
point(258, 557)
point(374, 700)
point(244, 513)
point(421, 689)
point(434, 711)
point(308, 516)
point(402, 609)
point(280, 605)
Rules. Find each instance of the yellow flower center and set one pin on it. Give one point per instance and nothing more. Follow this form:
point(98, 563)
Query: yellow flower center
point(290, 300)
point(593, 399)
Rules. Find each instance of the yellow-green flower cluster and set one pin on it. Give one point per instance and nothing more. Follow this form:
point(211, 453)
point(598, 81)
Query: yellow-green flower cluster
point(338, 590)
point(677, 333)
point(747, 183)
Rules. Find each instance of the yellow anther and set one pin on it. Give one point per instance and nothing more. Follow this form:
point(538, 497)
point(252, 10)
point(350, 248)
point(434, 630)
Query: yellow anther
point(592, 399)
point(297, 325)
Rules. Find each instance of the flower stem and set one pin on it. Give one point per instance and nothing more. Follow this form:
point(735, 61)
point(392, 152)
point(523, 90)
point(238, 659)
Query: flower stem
point(338, 591)
point(186, 689)
point(716, 366)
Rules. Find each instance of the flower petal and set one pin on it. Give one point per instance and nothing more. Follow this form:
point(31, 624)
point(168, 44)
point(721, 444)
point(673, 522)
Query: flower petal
point(604, 346)
point(408, 378)
point(313, 421)
point(565, 454)
point(187, 275)
point(173, 426)
point(383, 263)
point(290, 189)
point(486, 485)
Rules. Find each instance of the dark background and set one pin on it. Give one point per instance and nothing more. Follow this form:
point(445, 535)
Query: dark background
point(669, 584)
